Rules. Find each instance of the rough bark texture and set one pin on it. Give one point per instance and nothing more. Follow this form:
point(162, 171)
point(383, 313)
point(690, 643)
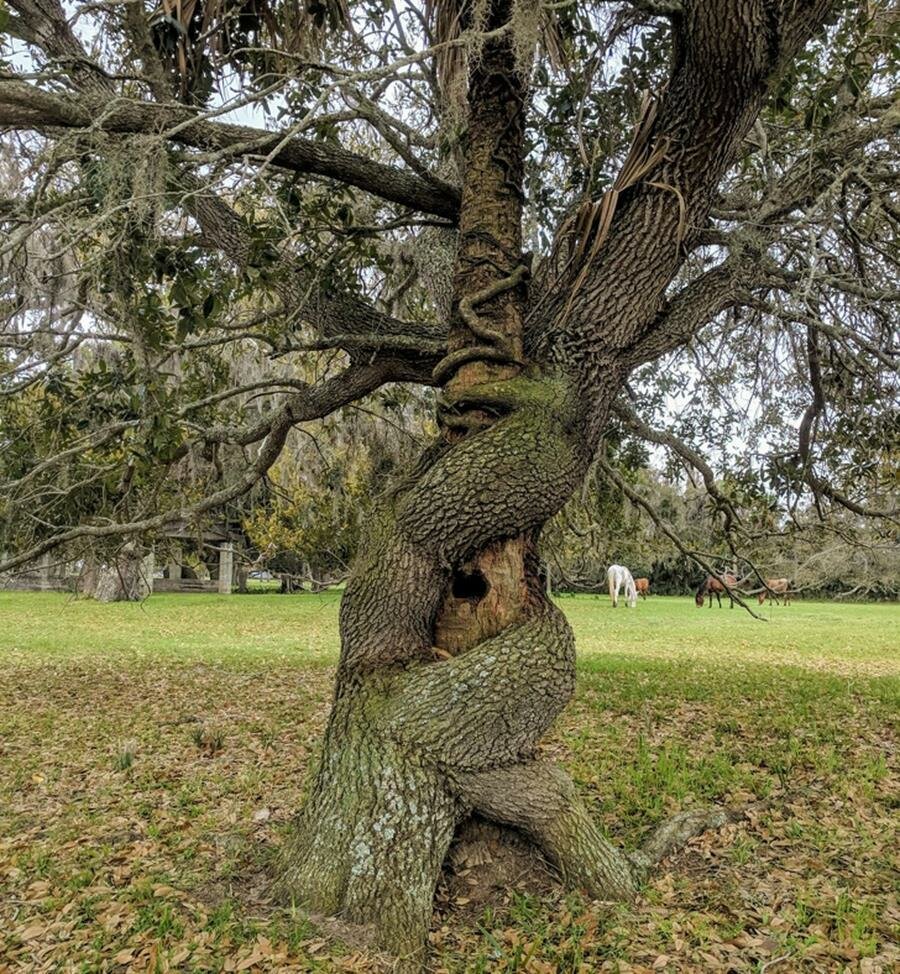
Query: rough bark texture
point(410, 731)
point(489, 591)
point(454, 663)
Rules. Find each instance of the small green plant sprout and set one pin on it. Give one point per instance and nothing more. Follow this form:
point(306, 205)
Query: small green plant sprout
point(124, 758)
point(210, 740)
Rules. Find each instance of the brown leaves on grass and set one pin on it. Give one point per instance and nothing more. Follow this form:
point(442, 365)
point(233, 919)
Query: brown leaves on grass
point(158, 862)
point(802, 879)
point(111, 867)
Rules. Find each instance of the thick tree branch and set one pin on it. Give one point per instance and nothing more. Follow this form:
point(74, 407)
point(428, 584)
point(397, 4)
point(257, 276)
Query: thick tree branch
point(681, 316)
point(43, 24)
point(730, 283)
point(725, 54)
point(26, 107)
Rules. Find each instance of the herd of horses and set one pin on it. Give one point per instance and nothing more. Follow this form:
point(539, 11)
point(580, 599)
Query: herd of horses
point(619, 578)
point(775, 588)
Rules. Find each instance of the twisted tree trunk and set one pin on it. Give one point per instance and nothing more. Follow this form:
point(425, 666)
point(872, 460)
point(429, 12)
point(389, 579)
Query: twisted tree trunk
point(454, 662)
point(417, 741)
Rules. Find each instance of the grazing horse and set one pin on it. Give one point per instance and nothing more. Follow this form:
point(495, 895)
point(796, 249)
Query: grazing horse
point(643, 587)
point(712, 586)
point(776, 587)
point(618, 576)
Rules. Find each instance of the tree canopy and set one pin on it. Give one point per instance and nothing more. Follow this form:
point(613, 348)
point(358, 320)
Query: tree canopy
point(224, 220)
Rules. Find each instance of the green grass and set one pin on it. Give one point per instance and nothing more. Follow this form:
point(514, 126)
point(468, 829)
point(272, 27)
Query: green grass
point(151, 755)
point(245, 629)
point(241, 629)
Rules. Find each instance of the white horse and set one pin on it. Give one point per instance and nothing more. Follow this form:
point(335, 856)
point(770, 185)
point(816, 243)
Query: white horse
point(618, 576)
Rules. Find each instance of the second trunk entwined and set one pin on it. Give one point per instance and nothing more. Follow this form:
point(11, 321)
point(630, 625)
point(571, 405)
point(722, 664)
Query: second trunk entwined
point(454, 662)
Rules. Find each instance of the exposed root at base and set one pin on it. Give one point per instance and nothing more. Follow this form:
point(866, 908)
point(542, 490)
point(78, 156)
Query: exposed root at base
point(488, 861)
point(669, 836)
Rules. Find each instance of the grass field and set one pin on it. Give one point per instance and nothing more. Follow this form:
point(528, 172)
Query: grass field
point(151, 754)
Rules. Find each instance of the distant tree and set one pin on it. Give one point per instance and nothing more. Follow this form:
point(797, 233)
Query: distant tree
point(307, 524)
point(474, 196)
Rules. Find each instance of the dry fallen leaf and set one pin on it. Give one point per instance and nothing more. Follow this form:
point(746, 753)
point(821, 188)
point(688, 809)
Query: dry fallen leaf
point(250, 961)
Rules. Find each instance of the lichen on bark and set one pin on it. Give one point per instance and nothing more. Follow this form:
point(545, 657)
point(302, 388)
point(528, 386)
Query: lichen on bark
point(454, 662)
point(410, 728)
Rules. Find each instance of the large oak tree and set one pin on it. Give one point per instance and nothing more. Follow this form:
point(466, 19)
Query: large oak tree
point(364, 219)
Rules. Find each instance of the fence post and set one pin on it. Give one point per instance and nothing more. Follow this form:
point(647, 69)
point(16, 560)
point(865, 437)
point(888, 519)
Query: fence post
point(226, 567)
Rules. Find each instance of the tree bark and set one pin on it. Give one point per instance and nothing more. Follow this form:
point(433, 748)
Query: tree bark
point(454, 661)
point(128, 578)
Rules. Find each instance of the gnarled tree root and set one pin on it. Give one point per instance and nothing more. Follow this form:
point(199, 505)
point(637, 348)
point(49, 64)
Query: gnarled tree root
point(540, 799)
point(377, 830)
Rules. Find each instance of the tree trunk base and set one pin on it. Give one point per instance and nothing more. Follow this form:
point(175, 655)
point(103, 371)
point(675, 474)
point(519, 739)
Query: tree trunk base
point(382, 826)
point(371, 840)
point(127, 579)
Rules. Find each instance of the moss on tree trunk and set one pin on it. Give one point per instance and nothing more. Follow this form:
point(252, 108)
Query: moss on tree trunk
point(454, 662)
point(419, 738)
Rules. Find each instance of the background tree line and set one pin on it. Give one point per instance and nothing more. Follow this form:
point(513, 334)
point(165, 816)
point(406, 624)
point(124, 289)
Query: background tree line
point(307, 518)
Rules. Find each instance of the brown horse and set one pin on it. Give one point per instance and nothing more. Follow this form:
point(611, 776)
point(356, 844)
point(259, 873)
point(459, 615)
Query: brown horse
point(712, 586)
point(642, 586)
point(776, 587)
